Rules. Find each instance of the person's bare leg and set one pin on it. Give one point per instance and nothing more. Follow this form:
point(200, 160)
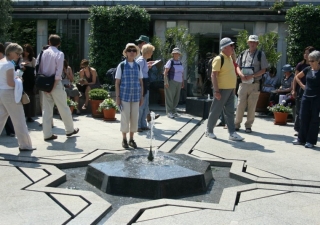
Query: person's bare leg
point(87, 98)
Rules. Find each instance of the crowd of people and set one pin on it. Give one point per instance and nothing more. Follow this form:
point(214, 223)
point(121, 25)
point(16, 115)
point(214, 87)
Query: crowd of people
point(301, 89)
point(249, 70)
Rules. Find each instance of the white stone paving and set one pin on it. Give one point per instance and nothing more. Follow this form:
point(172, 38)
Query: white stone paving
point(285, 186)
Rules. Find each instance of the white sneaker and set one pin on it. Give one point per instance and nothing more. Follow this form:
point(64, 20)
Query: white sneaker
point(176, 115)
point(170, 115)
point(235, 137)
point(210, 135)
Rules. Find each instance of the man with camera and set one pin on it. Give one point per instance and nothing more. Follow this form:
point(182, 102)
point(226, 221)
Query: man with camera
point(253, 64)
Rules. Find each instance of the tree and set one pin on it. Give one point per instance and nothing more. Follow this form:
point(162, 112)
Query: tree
point(303, 30)
point(267, 43)
point(111, 29)
point(177, 37)
point(5, 18)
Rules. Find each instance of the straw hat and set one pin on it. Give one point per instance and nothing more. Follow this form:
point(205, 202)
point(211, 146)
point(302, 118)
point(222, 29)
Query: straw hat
point(124, 53)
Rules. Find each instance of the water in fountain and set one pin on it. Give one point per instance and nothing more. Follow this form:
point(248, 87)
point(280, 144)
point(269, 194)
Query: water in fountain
point(151, 156)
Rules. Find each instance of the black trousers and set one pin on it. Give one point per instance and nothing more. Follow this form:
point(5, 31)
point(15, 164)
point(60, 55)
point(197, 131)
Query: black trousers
point(309, 119)
point(297, 118)
point(9, 127)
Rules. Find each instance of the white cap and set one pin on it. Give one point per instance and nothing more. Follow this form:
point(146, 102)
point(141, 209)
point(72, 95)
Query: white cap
point(253, 38)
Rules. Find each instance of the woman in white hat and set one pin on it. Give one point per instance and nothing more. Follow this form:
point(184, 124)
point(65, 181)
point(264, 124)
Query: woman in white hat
point(129, 93)
point(173, 82)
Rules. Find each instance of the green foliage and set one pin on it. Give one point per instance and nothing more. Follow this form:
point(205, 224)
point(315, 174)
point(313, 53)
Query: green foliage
point(303, 30)
point(24, 32)
point(277, 5)
point(267, 43)
point(242, 44)
point(108, 103)
point(280, 108)
point(177, 37)
point(71, 103)
point(111, 29)
point(98, 94)
point(5, 18)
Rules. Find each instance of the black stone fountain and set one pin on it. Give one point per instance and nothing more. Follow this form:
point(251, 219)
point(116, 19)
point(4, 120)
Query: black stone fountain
point(167, 176)
point(141, 174)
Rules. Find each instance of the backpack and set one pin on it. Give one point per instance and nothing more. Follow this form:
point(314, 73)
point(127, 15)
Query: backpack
point(111, 73)
point(209, 69)
point(172, 70)
point(202, 67)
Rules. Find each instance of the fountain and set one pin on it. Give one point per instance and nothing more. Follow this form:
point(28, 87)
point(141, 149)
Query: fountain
point(150, 174)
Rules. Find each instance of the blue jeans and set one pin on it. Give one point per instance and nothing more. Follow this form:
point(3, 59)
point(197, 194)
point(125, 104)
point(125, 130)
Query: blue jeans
point(143, 112)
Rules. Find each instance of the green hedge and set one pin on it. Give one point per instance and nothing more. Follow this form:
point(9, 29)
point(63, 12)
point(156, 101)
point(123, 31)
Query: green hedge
point(5, 18)
point(303, 30)
point(111, 29)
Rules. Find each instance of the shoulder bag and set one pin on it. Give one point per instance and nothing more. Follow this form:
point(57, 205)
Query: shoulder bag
point(43, 82)
point(25, 98)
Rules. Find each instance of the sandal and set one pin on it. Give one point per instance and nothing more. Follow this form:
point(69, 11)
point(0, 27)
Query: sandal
point(75, 131)
point(51, 138)
point(84, 107)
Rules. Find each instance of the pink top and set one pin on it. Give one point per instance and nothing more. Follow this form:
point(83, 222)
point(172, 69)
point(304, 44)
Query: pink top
point(52, 63)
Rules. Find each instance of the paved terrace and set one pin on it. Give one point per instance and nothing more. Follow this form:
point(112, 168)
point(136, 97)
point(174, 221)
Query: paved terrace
point(282, 180)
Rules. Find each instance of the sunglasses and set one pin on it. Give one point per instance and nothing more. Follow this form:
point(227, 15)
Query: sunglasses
point(311, 61)
point(131, 50)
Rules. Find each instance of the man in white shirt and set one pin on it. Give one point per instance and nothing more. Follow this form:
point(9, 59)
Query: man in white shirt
point(51, 65)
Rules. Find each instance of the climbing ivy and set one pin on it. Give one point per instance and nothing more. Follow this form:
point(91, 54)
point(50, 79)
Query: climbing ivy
point(111, 29)
point(303, 30)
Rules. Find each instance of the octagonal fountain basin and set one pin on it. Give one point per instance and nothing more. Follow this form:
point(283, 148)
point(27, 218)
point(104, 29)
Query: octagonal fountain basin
point(168, 176)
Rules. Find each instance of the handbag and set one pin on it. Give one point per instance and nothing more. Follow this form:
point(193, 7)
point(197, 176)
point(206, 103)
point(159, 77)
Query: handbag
point(25, 98)
point(43, 82)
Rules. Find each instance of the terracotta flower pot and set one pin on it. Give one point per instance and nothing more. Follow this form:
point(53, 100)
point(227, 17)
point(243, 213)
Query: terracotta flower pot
point(280, 118)
point(109, 114)
point(94, 108)
point(71, 109)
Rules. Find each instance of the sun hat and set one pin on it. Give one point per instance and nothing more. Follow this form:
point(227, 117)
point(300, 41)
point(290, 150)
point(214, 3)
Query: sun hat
point(176, 50)
point(225, 42)
point(253, 38)
point(130, 45)
point(287, 68)
point(143, 38)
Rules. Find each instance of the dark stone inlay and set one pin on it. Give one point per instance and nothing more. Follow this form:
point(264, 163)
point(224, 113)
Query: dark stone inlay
point(131, 174)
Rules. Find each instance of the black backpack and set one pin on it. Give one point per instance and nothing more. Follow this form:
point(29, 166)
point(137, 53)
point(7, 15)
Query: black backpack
point(111, 73)
point(209, 64)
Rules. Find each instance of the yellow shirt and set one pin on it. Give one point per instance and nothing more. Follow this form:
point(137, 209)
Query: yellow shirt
point(226, 78)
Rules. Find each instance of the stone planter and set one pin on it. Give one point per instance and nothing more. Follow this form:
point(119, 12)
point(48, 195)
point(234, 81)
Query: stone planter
point(263, 102)
point(162, 97)
point(198, 106)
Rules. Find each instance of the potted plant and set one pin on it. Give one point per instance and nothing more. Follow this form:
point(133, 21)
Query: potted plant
point(280, 112)
point(97, 96)
point(72, 104)
point(109, 108)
